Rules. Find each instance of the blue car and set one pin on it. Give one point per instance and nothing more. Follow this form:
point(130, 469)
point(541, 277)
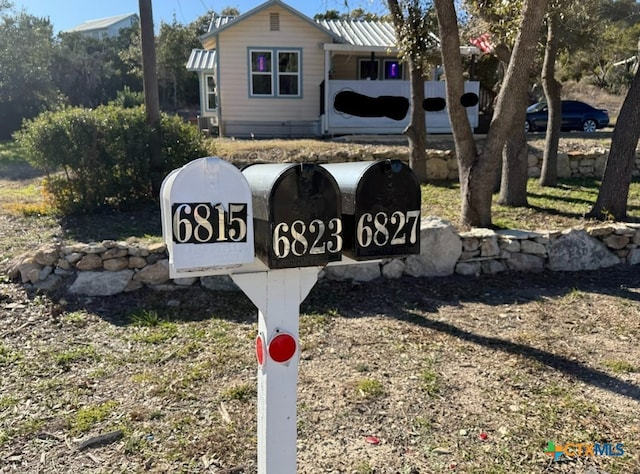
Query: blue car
point(576, 115)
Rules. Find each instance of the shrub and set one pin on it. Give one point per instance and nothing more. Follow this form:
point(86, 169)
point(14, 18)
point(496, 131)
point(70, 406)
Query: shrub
point(99, 158)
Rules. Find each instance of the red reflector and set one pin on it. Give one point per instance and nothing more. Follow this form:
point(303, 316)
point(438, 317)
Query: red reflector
point(260, 350)
point(282, 348)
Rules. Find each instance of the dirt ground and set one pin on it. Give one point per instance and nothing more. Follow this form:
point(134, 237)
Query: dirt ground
point(409, 376)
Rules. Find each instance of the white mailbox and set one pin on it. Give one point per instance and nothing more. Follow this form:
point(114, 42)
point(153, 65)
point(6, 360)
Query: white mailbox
point(207, 218)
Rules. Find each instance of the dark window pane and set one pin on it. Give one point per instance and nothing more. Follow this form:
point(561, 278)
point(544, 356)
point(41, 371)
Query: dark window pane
point(368, 70)
point(289, 85)
point(261, 84)
point(287, 62)
point(260, 61)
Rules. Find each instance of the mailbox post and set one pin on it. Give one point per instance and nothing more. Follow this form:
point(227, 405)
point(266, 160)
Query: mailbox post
point(298, 230)
point(295, 218)
point(277, 294)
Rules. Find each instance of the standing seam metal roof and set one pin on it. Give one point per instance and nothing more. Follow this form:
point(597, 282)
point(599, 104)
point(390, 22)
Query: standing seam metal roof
point(100, 23)
point(201, 60)
point(362, 32)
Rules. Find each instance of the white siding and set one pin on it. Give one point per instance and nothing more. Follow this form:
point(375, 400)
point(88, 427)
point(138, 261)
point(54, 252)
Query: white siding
point(235, 103)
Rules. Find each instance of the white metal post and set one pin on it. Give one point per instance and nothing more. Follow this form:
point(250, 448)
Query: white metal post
point(277, 294)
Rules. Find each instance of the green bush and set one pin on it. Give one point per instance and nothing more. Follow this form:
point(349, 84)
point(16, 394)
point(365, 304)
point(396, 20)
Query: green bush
point(99, 158)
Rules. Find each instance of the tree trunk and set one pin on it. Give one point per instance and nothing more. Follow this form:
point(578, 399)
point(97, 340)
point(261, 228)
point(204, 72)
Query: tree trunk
point(614, 191)
point(552, 90)
point(515, 160)
point(416, 131)
point(151, 99)
point(477, 171)
point(515, 168)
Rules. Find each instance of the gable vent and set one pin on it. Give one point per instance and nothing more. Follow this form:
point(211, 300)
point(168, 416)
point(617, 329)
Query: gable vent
point(274, 21)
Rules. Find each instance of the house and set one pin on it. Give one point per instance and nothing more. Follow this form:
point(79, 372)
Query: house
point(274, 72)
point(105, 27)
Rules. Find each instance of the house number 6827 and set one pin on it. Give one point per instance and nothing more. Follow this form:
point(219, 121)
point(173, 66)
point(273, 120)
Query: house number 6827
point(205, 223)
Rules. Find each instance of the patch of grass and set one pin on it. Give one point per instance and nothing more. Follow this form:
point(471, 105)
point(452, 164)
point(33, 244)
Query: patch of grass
point(76, 318)
point(146, 318)
point(621, 366)
point(241, 393)
point(429, 381)
point(8, 356)
point(85, 418)
point(156, 335)
point(311, 323)
point(7, 401)
point(65, 359)
point(370, 388)
point(364, 468)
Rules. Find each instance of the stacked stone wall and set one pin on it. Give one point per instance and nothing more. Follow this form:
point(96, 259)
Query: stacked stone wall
point(110, 268)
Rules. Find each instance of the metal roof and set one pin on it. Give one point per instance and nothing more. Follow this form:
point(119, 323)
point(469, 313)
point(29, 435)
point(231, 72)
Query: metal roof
point(362, 32)
point(100, 23)
point(220, 21)
point(202, 60)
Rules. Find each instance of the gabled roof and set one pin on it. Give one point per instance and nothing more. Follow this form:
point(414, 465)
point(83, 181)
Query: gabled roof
point(270, 3)
point(101, 23)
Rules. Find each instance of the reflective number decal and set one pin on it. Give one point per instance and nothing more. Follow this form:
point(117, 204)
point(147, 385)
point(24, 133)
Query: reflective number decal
point(206, 223)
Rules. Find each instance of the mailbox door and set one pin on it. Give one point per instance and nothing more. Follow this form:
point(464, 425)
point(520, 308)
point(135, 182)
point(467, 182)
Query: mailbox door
point(207, 218)
point(381, 208)
point(297, 220)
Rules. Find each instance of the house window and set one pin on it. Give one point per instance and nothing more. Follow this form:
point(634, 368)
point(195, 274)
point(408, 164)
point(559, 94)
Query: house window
point(392, 69)
point(368, 69)
point(261, 73)
point(211, 92)
point(288, 73)
point(275, 72)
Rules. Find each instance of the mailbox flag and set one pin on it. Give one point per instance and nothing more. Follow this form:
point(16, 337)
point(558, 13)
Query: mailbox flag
point(483, 43)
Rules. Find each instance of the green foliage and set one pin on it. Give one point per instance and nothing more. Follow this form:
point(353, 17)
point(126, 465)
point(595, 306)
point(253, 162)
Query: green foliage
point(128, 99)
point(88, 416)
point(99, 159)
point(26, 89)
point(370, 388)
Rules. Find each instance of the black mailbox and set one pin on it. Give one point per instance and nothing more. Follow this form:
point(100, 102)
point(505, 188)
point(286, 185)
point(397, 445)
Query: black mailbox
point(296, 214)
point(380, 208)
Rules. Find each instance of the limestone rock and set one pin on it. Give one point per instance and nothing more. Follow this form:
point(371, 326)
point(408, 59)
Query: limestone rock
point(155, 274)
point(524, 262)
point(528, 246)
point(356, 272)
point(393, 269)
point(576, 250)
point(47, 255)
point(101, 283)
point(219, 283)
point(29, 270)
point(440, 249)
point(469, 268)
point(89, 262)
point(116, 264)
point(437, 169)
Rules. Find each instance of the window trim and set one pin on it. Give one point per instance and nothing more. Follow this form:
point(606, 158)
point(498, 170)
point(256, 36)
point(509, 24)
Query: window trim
point(275, 72)
point(208, 92)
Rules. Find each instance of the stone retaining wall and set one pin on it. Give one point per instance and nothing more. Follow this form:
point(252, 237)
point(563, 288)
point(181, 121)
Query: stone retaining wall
point(110, 268)
point(442, 165)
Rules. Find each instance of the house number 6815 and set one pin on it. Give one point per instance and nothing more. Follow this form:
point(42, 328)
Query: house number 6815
point(204, 223)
